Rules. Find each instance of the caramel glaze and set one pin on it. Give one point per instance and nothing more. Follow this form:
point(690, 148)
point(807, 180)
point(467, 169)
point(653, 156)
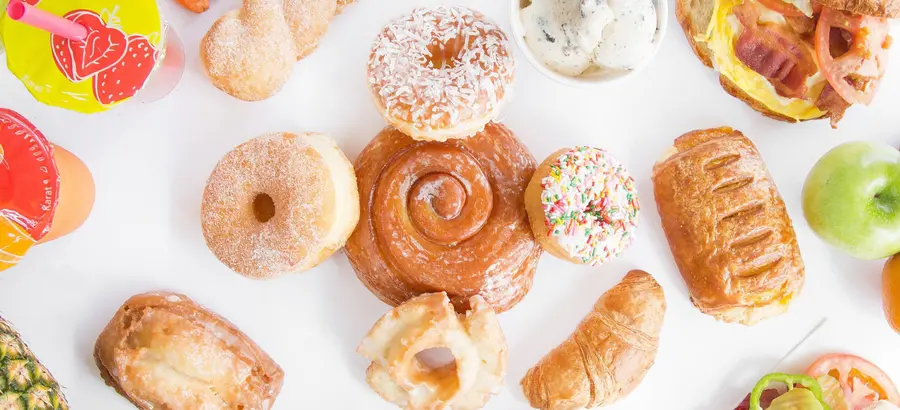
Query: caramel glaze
point(445, 216)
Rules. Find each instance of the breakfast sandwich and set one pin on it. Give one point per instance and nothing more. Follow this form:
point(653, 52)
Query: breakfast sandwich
point(793, 60)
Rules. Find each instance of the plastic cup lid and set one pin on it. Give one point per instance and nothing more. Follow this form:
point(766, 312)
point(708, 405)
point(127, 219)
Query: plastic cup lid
point(29, 179)
point(125, 41)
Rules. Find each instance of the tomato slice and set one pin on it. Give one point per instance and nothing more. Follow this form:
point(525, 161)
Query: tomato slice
point(782, 7)
point(863, 382)
point(855, 74)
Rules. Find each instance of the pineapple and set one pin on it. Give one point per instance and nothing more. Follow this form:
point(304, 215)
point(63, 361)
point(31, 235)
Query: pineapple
point(25, 384)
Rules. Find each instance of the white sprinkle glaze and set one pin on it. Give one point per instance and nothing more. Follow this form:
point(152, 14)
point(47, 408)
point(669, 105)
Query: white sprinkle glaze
point(411, 90)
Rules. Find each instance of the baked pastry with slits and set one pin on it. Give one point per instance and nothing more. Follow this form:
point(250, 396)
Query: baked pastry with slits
point(163, 351)
point(445, 217)
point(727, 226)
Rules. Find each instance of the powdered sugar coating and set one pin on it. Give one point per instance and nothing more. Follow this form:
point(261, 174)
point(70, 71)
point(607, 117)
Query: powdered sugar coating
point(473, 80)
point(250, 53)
point(293, 174)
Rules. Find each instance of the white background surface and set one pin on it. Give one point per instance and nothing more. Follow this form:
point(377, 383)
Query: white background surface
point(151, 163)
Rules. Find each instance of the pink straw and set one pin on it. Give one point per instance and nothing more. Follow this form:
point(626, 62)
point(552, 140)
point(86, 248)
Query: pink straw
point(28, 14)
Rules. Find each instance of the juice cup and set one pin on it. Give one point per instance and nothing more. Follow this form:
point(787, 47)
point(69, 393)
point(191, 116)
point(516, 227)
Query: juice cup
point(46, 192)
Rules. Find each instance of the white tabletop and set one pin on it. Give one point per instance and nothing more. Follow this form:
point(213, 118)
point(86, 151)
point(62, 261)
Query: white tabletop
point(151, 162)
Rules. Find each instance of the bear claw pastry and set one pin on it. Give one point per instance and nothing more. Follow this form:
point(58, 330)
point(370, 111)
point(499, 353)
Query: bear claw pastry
point(249, 53)
point(429, 321)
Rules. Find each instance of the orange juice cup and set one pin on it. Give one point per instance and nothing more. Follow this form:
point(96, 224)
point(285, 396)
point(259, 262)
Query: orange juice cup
point(45, 191)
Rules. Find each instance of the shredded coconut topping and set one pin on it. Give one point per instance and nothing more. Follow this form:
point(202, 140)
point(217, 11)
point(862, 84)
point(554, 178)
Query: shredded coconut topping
point(440, 66)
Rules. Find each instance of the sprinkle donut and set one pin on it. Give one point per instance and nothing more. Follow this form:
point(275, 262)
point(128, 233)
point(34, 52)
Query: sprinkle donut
point(441, 72)
point(280, 203)
point(582, 205)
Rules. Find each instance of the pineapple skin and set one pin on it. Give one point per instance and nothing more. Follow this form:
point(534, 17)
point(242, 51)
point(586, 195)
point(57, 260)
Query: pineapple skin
point(25, 384)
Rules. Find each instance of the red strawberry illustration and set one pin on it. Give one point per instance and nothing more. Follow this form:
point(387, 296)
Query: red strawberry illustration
point(129, 75)
point(104, 47)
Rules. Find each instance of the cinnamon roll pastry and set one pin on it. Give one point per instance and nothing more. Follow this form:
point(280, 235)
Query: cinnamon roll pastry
point(445, 217)
point(163, 351)
point(727, 226)
point(474, 340)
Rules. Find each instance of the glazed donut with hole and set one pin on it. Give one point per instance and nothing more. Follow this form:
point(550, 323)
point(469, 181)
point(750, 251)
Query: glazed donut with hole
point(441, 72)
point(280, 203)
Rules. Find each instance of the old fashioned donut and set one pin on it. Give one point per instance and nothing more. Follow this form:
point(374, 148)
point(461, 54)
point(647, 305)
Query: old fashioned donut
point(474, 340)
point(445, 216)
point(441, 72)
point(280, 203)
point(583, 205)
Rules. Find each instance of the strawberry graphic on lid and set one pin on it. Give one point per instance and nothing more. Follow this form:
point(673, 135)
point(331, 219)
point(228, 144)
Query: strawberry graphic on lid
point(29, 179)
point(124, 44)
point(103, 48)
point(124, 79)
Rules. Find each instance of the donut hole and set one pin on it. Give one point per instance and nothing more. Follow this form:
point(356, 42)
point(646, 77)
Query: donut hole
point(435, 358)
point(436, 366)
point(263, 207)
point(444, 55)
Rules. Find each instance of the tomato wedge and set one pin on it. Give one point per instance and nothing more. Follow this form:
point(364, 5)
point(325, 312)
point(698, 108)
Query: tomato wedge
point(855, 74)
point(863, 382)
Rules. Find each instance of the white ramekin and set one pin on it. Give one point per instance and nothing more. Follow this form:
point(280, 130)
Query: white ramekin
point(594, 78)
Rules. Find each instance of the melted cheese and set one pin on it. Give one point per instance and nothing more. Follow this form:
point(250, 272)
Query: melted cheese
point(720, 37)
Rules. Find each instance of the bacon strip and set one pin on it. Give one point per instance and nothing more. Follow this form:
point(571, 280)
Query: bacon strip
point(779, 55)
point(832, 103)
point(802, 25)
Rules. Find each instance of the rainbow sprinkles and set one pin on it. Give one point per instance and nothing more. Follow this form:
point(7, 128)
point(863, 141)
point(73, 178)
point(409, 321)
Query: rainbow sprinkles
point(590, 204)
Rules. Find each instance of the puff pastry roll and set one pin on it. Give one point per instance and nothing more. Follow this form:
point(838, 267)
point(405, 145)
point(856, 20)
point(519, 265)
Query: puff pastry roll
point(162, 351)
point(727, 226)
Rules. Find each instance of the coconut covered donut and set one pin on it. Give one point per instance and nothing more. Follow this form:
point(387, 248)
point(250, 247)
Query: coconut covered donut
point(582, 205)
point(280, 203)
point(441, 72)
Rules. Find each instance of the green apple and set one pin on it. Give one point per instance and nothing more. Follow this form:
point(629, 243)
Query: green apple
point(851, 199)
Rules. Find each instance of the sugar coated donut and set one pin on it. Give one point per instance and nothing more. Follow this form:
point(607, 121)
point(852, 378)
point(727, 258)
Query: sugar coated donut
point(250, 53)
point(441, 72)
point(582, 205)
point(280, 203)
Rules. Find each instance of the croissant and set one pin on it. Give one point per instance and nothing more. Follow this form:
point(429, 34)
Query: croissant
point(609, 353)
